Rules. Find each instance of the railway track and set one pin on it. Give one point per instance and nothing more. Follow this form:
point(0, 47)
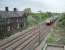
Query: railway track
point(27, 40)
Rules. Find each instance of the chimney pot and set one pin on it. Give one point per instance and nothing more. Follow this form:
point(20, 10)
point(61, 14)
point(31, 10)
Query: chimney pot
point(15, 9)
point(6, 9)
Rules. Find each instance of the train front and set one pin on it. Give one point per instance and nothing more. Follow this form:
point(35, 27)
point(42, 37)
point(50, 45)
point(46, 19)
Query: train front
point(49, 21)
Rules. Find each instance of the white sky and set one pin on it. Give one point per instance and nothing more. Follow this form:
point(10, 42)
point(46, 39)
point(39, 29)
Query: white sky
point(35, 5)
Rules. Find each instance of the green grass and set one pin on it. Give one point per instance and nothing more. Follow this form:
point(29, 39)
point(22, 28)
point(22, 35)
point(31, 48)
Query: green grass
point(53, 39)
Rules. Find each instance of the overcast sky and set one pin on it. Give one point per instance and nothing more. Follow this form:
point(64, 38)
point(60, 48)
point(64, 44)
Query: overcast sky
point(35, 5)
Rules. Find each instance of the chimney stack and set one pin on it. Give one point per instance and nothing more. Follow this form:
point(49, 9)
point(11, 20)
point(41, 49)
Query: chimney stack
point(6, 9)
point(15, 9)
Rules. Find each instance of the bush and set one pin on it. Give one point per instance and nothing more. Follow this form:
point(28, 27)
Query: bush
point(62, 21)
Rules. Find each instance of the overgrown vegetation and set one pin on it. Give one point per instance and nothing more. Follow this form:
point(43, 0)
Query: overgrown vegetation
point(62, 22)
point(36, 18)
point(62, 26)
point(59, 31)
point(54, 38)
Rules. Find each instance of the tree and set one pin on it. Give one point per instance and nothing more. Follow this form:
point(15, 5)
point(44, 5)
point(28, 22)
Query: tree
point(27, 11)
point(49, 14)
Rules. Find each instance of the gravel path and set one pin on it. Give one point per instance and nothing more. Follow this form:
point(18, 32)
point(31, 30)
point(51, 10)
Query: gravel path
point(54, 48)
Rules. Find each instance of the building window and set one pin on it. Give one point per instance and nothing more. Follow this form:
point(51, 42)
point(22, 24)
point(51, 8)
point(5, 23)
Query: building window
point(8, 28)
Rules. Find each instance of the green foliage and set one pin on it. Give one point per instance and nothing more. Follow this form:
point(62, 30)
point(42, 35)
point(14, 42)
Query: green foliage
point(36, 18)
point(31, 21)
point(61, 22)
point(49, 14)
point(27, 11)
point(40, 16)
point(52, 39)
point(64, 40)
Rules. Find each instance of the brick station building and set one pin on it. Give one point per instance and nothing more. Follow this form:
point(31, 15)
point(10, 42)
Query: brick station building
point(10, 21)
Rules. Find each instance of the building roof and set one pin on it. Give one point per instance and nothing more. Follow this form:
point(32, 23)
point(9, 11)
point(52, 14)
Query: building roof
point(8, 14)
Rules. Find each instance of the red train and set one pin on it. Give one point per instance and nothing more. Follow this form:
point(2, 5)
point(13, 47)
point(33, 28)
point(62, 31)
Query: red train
point(50, 21)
